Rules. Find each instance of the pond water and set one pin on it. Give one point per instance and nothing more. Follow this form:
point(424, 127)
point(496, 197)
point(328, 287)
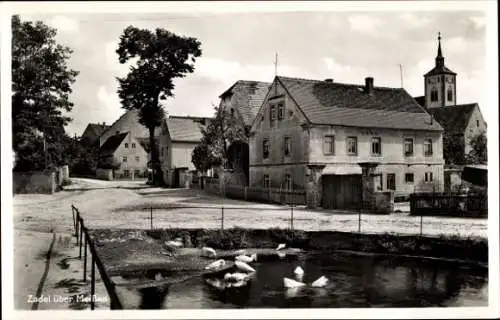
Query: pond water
point(355, 281)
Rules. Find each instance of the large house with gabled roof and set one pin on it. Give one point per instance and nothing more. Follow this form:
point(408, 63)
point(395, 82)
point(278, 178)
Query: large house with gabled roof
point(244, 98)
point(178, 136)
point(241, 102)
point(128, 152)
point(127, 122)
point(343, 143)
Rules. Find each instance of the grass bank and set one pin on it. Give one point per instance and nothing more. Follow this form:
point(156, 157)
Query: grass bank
point(443, 247)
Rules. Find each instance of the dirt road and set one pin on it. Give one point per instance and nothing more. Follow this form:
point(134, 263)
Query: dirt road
point(127, 204)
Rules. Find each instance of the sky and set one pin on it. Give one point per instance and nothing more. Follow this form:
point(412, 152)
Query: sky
point(346, 46)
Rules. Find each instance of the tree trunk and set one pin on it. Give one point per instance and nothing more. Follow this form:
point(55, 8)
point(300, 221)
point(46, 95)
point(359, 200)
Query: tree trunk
point(155, 163)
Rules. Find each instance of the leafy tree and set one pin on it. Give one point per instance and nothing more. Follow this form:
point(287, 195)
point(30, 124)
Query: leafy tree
point(220, 133)
point(109, 162)
point(453, 148)
point(161, 56)
point(41, 85)
point(479, 152)
point(202, 159)
point(83, 157)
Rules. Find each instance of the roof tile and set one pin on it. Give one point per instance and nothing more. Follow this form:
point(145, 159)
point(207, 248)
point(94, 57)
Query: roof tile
point(348, 104)
point(185, 129)
point(112, 143)
point(454, 118)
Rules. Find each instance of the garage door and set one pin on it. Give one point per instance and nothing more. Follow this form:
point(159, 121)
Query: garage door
point(341, 192)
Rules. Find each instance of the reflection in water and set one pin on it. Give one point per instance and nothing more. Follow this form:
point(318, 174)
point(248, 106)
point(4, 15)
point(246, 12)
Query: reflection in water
point(236, 296)
point(153, 297)
point(354, 281)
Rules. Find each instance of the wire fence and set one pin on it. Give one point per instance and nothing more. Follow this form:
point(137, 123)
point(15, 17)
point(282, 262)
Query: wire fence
point(84, 241)
point(225, 217)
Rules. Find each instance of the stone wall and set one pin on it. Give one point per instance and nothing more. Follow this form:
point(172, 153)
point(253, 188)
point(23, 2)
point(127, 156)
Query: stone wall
point(34, 182)
point(65, 173)
point(383, 202)
point(453, 179)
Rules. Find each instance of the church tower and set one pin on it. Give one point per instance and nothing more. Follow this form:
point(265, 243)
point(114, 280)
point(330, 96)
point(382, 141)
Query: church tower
point(440, 83)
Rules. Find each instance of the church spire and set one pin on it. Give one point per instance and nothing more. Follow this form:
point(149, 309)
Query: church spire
point(439, 58)
point(439, 45)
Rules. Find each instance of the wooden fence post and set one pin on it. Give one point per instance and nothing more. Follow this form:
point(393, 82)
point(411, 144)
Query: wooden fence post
point(151, 218)
point(81, 242)
point(74, 218)
point(77, 227)
point(359, 221)
point(421, 223)
point(92, 283)
point(85, 257)
point(222, 218)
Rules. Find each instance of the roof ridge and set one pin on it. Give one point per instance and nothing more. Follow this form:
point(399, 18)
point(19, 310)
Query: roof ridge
point(119, 118)
point(188, 117)
point(342, 83)
point(263, 82)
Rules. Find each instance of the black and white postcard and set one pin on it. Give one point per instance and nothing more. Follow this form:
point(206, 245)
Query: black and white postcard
point(332, 159)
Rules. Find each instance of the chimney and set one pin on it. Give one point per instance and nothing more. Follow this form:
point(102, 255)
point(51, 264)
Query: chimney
point(369, 85)
point(117, 132)
point(329, 80)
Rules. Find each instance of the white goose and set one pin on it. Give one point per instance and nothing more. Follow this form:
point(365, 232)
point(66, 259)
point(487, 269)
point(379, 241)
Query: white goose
point(174, 243)
point(208, 252)
point(215, 265)
point(243, 266)
point(290, 283)
point(281, 246)
point(299, 271)
point(320, 282)
point(236, 277)
point(246, 259)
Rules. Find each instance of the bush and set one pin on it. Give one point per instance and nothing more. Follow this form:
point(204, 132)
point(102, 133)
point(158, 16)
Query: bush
point(109, 162)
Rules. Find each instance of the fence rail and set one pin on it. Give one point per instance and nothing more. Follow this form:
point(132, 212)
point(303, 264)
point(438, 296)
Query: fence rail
point(268, 195)
point(357, 222)
point(84, 240)
point(449, 204)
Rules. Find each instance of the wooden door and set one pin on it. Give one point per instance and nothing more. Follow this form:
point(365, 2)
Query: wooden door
point(351, 191)
point(341, 191)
